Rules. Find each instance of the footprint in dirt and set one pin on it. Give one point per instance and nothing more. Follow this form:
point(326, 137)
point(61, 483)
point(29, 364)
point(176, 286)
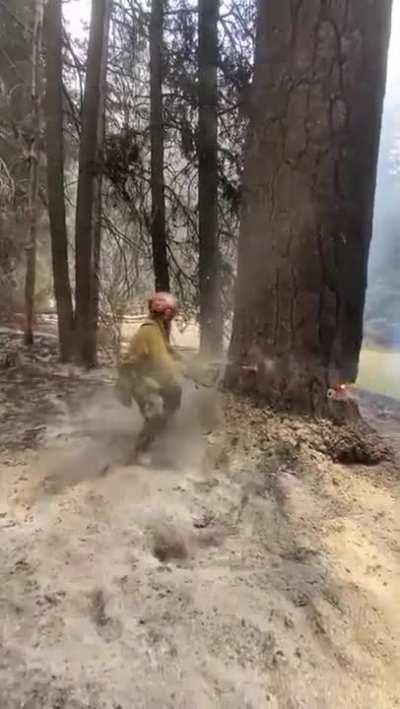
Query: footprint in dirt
point(172, 544)
point(169, 544)
point(110, 629)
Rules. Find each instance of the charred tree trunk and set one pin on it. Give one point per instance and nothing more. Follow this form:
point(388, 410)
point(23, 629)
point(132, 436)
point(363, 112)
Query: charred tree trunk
point(308, 197)
point(55, 174)
point(33, 187)
point(158, 229)
point(88, 230)
point(209, 266)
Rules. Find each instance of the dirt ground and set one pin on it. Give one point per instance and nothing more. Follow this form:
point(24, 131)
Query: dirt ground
point(243, 568)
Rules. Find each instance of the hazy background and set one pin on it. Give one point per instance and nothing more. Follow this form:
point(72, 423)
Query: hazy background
point(383, 303)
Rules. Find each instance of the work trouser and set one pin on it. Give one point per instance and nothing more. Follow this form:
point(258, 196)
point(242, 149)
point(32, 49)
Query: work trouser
point(157, 408)
point(157, 404)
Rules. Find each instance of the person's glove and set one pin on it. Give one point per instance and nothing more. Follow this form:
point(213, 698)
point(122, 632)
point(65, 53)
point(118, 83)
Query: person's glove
point(151, 385)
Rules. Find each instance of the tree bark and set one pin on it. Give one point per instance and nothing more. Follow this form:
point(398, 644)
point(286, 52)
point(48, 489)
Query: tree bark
point(33, 187)
point(209, 262)
point(55, 174)
point(88, 211)
point(158, 229)
point(97, 231)
point(308, 198)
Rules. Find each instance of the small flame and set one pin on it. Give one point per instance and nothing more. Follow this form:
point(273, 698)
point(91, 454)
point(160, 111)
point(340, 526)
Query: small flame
point(337, 391)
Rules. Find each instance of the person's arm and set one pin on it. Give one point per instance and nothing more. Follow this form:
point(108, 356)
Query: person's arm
point(181, 362)
point(203, 374)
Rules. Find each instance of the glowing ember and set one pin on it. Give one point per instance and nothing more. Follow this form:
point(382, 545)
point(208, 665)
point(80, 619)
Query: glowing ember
point(337, 392)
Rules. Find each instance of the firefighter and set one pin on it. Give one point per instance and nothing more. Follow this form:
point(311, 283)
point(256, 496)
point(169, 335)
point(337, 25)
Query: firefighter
point(151, 371)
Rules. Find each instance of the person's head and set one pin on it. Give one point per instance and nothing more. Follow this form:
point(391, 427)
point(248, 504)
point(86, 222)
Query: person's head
point(164, 306)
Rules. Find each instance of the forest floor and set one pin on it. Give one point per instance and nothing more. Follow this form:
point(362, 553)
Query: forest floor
point(246, 568)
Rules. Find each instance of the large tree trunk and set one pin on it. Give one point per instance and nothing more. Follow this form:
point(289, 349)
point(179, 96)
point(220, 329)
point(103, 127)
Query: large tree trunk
point(158, 230)
point(308, 197)
point(88, 209)
point(55, 173)
point(33, 186)
point(209, 265)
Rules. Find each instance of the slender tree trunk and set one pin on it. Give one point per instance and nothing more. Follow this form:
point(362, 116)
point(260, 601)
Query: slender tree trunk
point(55, 174)
point(158, 230)
point(308, 197)
point(33, 188)
point(88, 229)
point(209, 266)
point(97, 226)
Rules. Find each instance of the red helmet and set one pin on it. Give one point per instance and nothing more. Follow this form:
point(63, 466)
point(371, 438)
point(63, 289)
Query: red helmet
point(163, 304)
